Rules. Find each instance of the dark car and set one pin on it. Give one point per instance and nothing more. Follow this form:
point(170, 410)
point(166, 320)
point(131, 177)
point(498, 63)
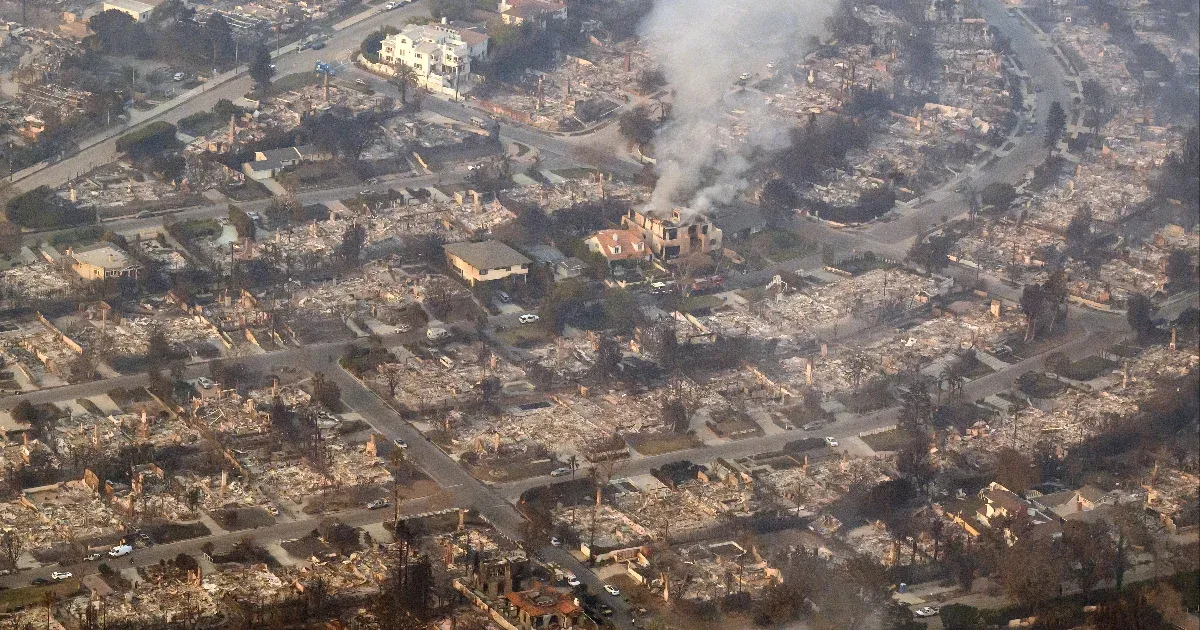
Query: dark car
point(317, 45)
point(39, 581)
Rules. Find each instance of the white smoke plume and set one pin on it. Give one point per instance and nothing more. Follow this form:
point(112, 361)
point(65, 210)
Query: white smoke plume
point(704, 46)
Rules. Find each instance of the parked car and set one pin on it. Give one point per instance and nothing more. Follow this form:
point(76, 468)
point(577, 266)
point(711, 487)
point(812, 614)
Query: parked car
point(555, 542)
point(560, 472)
point(400, 443)
point(304, 46)
point(94, 556)
point(317, 45)
point(831, 442)
point(120, 550)
point(811, 426)
point(504, 297)
point(178, 76)
point(39, 581)
point(403, 328)
point(360, 82)
point(272, 510)
point(389, 6)
point(612, 590)
point(59, 576)
point(378, 504)
point(528, 318)
point(573, 581)
point(927, 611)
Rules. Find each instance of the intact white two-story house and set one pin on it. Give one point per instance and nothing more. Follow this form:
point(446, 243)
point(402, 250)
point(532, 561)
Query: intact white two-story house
point(439, 54)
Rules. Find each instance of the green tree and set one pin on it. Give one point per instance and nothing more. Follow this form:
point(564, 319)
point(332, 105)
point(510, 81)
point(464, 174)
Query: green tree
point(1181, 271)
point(353, 239)
point(117, 32)
point(636, 126)
point(1032, 570)
point(405, 77)
point(960, 617)
point(779, 199)
point(621, 310)
point(1015, 470)
point(1056, 125)
point(261, 68)
point(241, 222)
point(374, 41)
point(1139, 314)
point(325, 392)
point(221, 47)
point(1078, 236)
point(998, 195)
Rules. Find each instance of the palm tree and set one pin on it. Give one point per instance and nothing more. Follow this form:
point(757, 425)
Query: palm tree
point(573, 464)
point(404, 77)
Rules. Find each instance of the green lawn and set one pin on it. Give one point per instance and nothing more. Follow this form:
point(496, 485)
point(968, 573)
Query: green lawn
point(291, 82)
point(77, 237)
point(35, 595)
point(526, 335)
point(890, 440)
point(772, 245)
point(1089, 368)
point(663, 443)
point(195, 229)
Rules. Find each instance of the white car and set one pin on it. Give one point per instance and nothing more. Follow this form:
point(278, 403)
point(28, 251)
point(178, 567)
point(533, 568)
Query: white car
point(831, 442)
point(178, 76)
point(120, 550)
point(560, 472)
point(555, 542)
point(360, 82)
point(378, 504)
point(573, 581)
point(59, 576)
point(272, 510)
point(926, 611)
point(612, 590)
point(528, 318)
point(400, 443)
point(389, 6)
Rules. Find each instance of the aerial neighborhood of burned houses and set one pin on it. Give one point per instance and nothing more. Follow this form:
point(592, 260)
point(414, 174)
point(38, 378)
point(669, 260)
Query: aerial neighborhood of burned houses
point(537, 315)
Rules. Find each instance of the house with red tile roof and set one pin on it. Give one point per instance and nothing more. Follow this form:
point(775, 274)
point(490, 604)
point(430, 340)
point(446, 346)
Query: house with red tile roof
point(619, 245)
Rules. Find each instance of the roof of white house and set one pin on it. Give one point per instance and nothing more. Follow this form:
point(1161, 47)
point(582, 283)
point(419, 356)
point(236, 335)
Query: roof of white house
point(104, 257)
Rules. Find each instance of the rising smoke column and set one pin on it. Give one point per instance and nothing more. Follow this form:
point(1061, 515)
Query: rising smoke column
point(703, 47)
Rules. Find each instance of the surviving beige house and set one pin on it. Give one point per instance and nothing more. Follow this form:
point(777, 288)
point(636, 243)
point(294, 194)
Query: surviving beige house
point(486, 261)
point(103, 261)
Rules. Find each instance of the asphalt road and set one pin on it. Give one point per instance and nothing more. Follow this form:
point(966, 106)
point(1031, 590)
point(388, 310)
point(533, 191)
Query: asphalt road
point(1096, 332)
point(101, 149)
point(283, 530)
point(1083, 342)
point(1048, 78)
